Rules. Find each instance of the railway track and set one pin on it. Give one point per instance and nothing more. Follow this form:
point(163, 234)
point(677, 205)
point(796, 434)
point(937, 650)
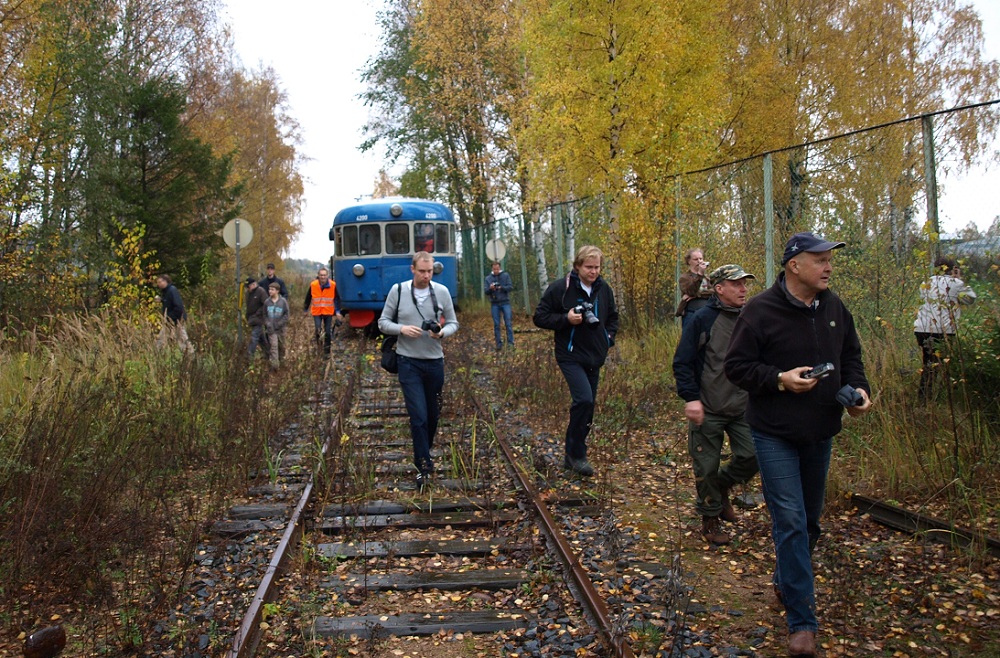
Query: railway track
point(478, 552)
point(359, 562)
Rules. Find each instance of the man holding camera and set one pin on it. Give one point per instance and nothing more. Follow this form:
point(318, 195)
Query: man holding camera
point(581, 310)
point(424, 314)
point(498, 287)
point(714, 406)
point(780, 336)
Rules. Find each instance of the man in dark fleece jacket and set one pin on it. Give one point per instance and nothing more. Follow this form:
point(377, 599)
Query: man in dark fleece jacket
point(581, 310)
point(782, 333)
point(714, 406)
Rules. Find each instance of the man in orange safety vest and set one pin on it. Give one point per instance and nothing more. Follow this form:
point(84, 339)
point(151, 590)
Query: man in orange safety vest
point(322, 298)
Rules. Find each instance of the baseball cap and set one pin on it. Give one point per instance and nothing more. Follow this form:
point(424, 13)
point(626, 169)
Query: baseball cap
point(270, 266)
point(807, 242)
point(250, 280)
point(728, 272)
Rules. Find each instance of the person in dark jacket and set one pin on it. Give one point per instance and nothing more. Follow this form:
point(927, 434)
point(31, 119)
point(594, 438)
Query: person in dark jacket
point(256, 317)
point(270, 278)
point(498, 287)
point(714, 406)
point(781, 334)
point(581, 310)
point(275, 321)
point(174, 315)
point(695, 287)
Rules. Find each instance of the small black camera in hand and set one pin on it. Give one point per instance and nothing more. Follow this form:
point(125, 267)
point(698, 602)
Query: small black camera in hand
point(849, 397)
point(819, 372)
point(432, 326)
point(586, 309)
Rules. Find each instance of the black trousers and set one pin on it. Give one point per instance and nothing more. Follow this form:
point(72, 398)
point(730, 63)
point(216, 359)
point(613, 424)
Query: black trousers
point(930, 347)
point(583, 381)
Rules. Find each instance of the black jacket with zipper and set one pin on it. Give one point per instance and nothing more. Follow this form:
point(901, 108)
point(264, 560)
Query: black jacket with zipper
point(586, 344)
point(776, 332)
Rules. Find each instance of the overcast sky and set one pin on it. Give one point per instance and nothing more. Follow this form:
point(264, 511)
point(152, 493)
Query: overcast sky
point(317, 49)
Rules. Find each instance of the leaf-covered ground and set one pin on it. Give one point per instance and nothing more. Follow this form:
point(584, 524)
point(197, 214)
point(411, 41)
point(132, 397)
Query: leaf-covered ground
point(880, 593)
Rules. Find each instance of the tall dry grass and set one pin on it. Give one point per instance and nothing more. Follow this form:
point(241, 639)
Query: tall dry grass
point(114, 455)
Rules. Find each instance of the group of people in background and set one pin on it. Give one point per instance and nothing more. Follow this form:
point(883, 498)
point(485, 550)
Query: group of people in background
point(267, 314)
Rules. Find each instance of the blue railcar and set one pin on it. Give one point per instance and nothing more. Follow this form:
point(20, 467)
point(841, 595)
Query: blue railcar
point(374, 244)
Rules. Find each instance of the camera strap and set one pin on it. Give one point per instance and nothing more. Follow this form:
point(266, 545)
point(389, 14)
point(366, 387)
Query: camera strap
point(434, 301)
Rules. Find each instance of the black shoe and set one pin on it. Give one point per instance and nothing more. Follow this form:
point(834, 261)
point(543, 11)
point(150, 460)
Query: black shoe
point(423, 479)
point(579, 466)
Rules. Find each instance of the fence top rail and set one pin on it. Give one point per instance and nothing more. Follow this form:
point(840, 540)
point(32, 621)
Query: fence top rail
point(830, 138)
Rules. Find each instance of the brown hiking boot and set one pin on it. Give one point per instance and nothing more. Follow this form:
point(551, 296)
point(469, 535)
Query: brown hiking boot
point(802, 643)
point(728, 512)
point(711, 530)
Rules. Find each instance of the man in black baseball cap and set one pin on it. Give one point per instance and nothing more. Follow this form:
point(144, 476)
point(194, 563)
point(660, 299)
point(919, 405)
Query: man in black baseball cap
point(781, 334)
point(809, 243)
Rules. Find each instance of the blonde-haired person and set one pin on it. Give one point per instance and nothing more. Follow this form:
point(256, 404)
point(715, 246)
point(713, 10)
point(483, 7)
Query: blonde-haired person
point(695, 287)
point(581, 310)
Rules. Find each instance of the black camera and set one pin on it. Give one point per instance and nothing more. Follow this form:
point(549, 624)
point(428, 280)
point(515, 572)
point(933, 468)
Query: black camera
point(431, 326)
point(819, 372)
point(849, 397)
point(586, 309)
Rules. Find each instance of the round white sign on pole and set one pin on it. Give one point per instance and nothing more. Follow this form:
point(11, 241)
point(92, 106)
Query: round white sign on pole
point(496, 249)
point(229, 233)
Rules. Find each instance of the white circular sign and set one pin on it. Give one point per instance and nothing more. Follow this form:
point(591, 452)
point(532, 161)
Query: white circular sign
point(496, 249)
point(229, 233)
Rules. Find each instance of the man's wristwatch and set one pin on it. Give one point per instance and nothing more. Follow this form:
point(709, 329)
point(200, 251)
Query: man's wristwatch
point(781, 385)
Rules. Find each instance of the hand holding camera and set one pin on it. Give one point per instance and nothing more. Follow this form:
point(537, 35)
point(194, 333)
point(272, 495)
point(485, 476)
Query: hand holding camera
point(849, 397)
point(432, 326)
point(819, 372)
point(586, 309)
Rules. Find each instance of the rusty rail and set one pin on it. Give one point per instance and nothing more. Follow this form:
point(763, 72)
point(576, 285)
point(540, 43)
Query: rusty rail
point(592, 600)
point(246, 640)
point(935, 529)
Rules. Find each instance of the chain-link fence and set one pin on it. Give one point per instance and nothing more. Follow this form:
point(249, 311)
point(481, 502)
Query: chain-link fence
point(869, 188)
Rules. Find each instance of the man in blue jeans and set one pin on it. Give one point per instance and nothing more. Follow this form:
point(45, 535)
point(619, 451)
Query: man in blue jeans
point(781, 334)
point(498, 287)
point(424, 314)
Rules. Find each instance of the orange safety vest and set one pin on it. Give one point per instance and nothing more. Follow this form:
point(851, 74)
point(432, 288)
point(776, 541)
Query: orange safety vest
point(322, 299)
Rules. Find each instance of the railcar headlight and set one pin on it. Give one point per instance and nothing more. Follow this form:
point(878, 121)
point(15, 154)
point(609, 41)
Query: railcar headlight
point(358, 270)
point(438, 267)
point(395, 210)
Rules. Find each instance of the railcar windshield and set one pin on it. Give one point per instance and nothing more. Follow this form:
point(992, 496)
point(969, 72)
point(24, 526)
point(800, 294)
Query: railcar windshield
point(364, 240)
point(397, 239)
point(443, 238)
point(423, 237)
point(370, 239)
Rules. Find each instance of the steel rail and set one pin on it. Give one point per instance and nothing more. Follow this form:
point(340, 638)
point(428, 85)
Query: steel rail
point(913, 522)
point(592, 599)
point(245, 642)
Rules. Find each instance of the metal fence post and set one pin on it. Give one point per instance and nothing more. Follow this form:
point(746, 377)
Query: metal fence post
point(930, 183)
point(677, 244)
point(769, 219)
